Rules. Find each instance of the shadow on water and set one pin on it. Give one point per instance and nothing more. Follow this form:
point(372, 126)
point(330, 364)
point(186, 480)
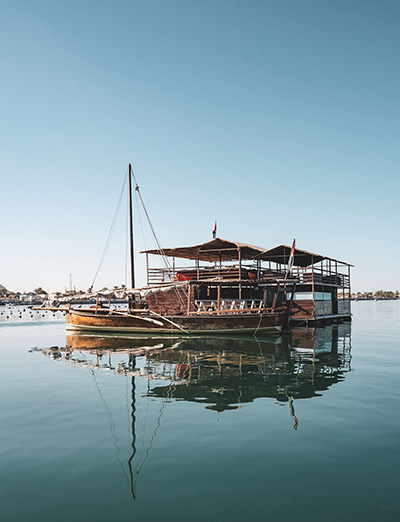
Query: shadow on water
point(221, 373)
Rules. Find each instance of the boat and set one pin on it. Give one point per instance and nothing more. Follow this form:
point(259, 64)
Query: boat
point(228, 290)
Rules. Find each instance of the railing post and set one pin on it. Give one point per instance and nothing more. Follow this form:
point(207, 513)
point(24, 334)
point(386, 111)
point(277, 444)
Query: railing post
point(189, 297)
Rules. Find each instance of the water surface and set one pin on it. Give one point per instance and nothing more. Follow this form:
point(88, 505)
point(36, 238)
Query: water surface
point(300, 428)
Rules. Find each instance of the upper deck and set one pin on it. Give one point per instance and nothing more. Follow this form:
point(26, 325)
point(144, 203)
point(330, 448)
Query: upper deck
point(223, 261)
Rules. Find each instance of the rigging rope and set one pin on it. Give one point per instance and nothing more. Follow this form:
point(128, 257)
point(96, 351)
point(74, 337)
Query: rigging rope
point(159, 247)
point(111, 424)
point(140, 221)
point(110, 233)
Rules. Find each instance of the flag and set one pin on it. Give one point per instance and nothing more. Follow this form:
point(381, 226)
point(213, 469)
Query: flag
point(214, 232)
point(291, 258)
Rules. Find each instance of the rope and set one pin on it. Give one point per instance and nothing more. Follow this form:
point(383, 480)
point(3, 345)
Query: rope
point(110, 233)
point(159, 247)
point(140, 222)
point(111, 424)
point(259, 324)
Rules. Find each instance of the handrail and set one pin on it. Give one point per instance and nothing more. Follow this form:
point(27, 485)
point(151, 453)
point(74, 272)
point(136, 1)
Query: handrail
point(321, 275)
point(236, 311)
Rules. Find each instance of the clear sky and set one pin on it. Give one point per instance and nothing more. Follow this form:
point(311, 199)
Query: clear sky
point(278, 118)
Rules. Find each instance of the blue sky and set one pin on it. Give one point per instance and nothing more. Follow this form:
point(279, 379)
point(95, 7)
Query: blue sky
point(278, 118)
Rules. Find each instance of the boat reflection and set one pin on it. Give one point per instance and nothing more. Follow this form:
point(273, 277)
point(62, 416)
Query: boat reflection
point(222, 373)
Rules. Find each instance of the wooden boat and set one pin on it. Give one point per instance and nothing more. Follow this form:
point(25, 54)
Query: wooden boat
point(108, 320)
point(231, 293)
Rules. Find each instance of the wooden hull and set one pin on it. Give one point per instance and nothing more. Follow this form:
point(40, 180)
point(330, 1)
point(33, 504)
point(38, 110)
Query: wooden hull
point(243, 323)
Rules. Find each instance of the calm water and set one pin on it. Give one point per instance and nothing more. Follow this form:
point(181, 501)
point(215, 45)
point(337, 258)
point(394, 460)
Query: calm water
point(304, 429)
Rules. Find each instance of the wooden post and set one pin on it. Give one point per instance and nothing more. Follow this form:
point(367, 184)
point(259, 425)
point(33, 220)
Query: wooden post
point(275, 296)
point(312, 279)
point(131, 225)
point(348, 273)
point(219, 298)
point(190, 368)
point(240, 272)
point(130, 304)
point(189, 297)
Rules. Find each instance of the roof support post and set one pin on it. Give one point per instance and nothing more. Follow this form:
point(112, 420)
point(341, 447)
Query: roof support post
point(312, 278)
point(275, 297)
point(189, 295)
point(240, 272)
point(348, 273)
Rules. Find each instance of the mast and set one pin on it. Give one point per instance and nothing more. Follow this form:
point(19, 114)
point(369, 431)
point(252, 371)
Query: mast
point(131, 227)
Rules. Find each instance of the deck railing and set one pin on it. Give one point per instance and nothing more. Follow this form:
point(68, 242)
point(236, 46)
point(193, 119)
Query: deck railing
point(165, 275)
point(210, 306)
point(321, 275)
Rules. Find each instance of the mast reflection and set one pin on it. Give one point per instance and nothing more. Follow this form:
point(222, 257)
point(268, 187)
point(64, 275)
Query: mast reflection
point(222, 373)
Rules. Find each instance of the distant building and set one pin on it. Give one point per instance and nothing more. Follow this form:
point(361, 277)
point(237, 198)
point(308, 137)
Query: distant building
point(30, 297)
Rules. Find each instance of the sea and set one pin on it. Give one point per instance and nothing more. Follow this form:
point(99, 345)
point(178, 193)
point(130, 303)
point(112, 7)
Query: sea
point(298, 428)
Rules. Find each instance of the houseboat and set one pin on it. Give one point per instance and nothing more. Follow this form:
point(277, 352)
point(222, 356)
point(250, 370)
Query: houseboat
point(230, 287)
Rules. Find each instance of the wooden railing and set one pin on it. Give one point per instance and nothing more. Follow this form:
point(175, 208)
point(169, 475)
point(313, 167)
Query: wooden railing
point(232, 306)
point(232, 272)
point(246, 272)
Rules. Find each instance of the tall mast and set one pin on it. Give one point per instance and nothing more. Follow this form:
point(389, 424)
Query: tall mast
point(131, 226)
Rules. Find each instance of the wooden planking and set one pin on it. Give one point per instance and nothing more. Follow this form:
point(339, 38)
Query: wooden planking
point(303, 309)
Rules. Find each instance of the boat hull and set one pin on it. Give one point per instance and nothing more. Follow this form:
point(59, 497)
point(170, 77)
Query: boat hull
point(270, 323)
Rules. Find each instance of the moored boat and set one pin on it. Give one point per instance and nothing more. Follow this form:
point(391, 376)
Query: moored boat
point(227, 291)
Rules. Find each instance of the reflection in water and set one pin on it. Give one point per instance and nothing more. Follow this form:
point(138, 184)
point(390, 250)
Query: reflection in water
point(222, 373)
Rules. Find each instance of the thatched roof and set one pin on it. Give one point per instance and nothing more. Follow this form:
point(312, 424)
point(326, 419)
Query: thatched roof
point(281, 253)
point(215, 250)
point(223, 250)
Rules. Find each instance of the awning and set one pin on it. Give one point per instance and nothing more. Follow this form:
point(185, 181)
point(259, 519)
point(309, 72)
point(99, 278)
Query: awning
point(302, 258)
point(215, 250)
point(223, 250)
point(281, 253)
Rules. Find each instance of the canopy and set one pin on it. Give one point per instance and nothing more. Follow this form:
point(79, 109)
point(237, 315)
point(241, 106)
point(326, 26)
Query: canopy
point(215, 250)
point(223, 250)
point(281, 253)
point(303, 258)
